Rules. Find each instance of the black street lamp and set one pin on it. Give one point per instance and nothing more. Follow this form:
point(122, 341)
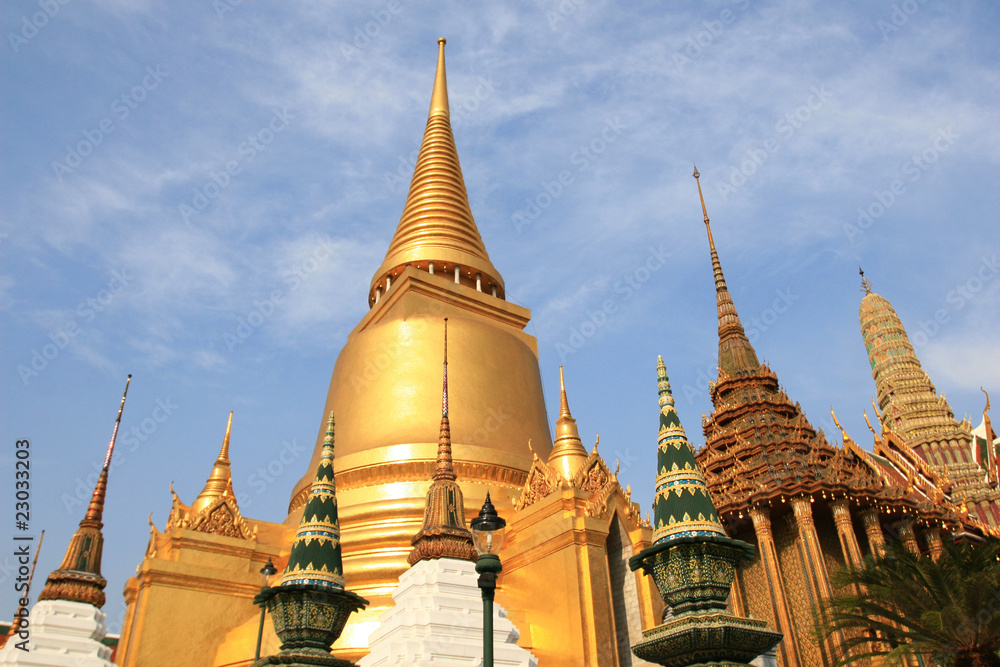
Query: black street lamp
point(487, 535)
point(266, 573)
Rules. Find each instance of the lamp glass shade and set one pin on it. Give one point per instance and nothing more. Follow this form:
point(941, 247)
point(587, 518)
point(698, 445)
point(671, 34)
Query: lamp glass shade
point(266, 573)
point(488, 540)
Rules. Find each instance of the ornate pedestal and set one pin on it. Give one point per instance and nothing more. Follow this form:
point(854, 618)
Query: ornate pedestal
point(694, 576)
point(308, 619)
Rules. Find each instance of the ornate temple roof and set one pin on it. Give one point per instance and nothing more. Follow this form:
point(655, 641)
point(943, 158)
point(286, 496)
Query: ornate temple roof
point(78, 578)
point(316, 557)
point(760, 448)
point(681, 506)
point(444, 533)
point(215, 510)
point(437, 224)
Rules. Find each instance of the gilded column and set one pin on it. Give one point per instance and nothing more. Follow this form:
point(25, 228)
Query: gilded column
point(818, 579)
point(802, 507)
point(845, 530)
point(761, 517)
point(873, 527)
point(908, 537)
point(736, 596)
point(933, 537)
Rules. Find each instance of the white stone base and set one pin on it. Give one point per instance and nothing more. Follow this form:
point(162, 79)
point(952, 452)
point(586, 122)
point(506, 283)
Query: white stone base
point(61, 634)
point(769, 659)
point(438, 622)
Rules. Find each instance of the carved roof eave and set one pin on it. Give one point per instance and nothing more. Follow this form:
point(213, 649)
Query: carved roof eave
point(541, 482)
point(898, 452)
point(735, 495)
point(601, 505)
point(594, 478)
point(222, 518)
point(867, 459)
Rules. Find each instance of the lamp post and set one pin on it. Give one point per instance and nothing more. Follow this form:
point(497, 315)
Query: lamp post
point(487, 535)
point(266, 573)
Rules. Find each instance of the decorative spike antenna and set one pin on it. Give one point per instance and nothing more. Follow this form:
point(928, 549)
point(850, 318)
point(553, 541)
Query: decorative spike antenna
point(96, 507)
point(439, 96)
point(720, 280)
point(736, 354)
point(78, 578)
point(444, 469)
point(563, 402)
point(866, 285)
point(444, 533)
point(224, 452)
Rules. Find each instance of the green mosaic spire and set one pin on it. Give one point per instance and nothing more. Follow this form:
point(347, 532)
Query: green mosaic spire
point(681, 506)
point(315, 557)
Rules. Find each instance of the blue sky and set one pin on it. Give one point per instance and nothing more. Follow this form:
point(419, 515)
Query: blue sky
point(171, 167)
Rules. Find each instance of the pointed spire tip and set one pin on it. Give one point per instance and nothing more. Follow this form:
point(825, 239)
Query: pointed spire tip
point(439, 96)
point(563, 400)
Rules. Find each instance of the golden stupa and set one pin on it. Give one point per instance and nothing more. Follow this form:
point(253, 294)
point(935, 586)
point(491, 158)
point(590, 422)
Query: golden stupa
point(571, 527)
point(383, 388)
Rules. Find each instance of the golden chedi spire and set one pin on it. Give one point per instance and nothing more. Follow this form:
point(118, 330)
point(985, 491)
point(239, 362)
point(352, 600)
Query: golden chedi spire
point(568, 452)
point(220, 481)
point(78, 578)
point(386, 398)
point(908, 403)
point(444, 533)
point(736, 354)
point(437, 232)
point(911, 408)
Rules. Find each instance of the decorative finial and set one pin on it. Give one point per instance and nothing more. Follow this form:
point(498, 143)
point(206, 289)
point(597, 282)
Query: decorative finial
point(78, 578)
point(843, 432)
point(568, 452)
point(118, 421)
point(316, 553)
point(703, 209)
point(444, 469)
point(666, 397)
point(439, 97)
point(676, 518)
point(444, 392)
point(96, 508)
point(866, 284)
point(563, 401)
point(220, 480)
point(224, 454)
point(444, 533)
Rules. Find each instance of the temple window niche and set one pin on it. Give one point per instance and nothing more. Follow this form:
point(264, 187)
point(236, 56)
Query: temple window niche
point(624, 595)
